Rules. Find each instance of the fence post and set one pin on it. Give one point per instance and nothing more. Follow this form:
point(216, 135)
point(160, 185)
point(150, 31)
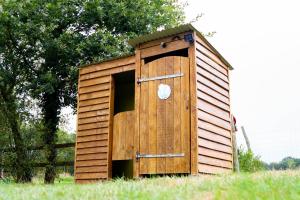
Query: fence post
point(246, 138)
point(236, 165)
point(235, 153)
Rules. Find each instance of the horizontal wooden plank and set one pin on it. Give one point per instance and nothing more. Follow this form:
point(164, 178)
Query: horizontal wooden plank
point(90, 102)
point(214, 146)
point(94, 95)
point(201, 41)
point(213, 120)
point(212, 70)
point(92, 125)
point(214, 161)
point(93, 119)
point(82, 163)
point(203, 88)
point(210, 54)
point(214, 110)
point(94, 88)
point(213, 128)
point(171, 46)
point(92, 156)
point(212, 85)
point(213, 78)
point(215, 154)
point(91, 175)
point(99, 143)
point(214, 137)
point(92, 169)
point(94, 81)
point(208, 169)
point(89, 138)
point(91, 150)
point(89, 181)
point(93, 107)
point(93, 113)
point(107, 65)
point(212, 100)
point(92, 132)
point(105, 72)
point(209, 61)
point(100, 73)
point(128, 68)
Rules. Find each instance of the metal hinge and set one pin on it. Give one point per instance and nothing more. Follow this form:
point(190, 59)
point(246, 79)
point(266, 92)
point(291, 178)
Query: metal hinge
point(167, 155)
point(159, 77)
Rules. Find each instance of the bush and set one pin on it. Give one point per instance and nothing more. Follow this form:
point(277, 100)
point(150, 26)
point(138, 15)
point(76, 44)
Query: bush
point(249, 162)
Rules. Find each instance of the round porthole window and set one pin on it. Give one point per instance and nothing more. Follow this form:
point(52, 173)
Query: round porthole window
point(164, 91)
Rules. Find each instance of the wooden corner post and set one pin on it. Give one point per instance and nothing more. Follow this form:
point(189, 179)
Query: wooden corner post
point(136, 165)
point(111, 119)
point(193, 104)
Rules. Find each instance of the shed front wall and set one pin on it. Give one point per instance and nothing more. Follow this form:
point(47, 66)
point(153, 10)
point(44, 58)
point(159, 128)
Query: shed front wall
point(94, 119)
point(213, 111)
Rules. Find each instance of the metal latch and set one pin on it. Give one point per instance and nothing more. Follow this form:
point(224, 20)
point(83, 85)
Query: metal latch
point(167, 155)
point(159, 77)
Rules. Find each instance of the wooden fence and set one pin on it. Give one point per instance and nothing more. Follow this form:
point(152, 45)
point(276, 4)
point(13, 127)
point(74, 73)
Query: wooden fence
point(36, 148)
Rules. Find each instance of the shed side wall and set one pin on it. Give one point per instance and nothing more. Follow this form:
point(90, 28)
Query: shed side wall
point(92, 140)
point(213, 112)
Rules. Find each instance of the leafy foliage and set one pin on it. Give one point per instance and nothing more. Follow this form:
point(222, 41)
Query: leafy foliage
point(43, 42)
point(249, 162)
point(284, 164)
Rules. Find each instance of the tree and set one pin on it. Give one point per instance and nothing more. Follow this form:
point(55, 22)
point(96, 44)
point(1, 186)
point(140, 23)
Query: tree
point(11, 113)
point(52, 37)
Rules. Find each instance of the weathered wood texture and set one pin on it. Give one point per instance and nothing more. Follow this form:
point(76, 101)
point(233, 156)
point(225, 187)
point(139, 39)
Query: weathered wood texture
point(123, 133)
point(213, 112)
point(92, 142)
point(165, 124)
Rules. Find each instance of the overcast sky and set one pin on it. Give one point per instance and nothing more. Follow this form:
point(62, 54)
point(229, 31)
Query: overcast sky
point(261, 40)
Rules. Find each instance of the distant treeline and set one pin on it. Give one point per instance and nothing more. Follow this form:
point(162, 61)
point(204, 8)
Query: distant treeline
point(286, 163)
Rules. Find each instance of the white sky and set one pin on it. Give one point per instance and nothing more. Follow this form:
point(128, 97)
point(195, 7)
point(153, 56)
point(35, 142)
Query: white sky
point(261, 40)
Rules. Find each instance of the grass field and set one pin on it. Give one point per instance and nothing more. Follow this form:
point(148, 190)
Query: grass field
point(262, 185)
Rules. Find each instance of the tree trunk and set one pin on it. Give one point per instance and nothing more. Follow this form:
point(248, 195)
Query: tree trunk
point(22, 165)
point(50, 107)
point(23, 169)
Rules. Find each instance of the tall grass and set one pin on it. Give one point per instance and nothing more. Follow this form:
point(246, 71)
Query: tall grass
point(261, 185)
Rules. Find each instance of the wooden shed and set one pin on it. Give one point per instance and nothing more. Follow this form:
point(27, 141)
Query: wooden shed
point(163, 110)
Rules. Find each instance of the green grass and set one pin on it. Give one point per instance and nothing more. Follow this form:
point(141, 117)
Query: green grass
point(262, 185)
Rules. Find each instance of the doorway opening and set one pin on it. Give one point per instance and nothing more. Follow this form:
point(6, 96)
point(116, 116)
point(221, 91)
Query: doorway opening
point(123, 125)
point(124, 91)
point(122, 169)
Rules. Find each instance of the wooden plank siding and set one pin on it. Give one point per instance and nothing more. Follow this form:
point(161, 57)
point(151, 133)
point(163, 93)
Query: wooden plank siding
point(92, 157)
point(213, 112)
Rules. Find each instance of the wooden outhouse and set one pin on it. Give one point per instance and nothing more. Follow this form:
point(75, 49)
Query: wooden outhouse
point(163, 110)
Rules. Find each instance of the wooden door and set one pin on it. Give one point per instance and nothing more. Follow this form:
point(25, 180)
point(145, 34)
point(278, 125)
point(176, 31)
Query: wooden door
point(164, 143)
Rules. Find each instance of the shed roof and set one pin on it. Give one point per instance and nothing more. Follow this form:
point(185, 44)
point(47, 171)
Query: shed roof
point(161, 34)
point(173, 31)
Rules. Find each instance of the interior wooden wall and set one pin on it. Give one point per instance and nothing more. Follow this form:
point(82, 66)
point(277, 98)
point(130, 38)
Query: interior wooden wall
point(92, 159)
point(213, 112)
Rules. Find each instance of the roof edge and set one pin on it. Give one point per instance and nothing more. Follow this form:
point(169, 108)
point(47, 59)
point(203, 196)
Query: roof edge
point(173, 31)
